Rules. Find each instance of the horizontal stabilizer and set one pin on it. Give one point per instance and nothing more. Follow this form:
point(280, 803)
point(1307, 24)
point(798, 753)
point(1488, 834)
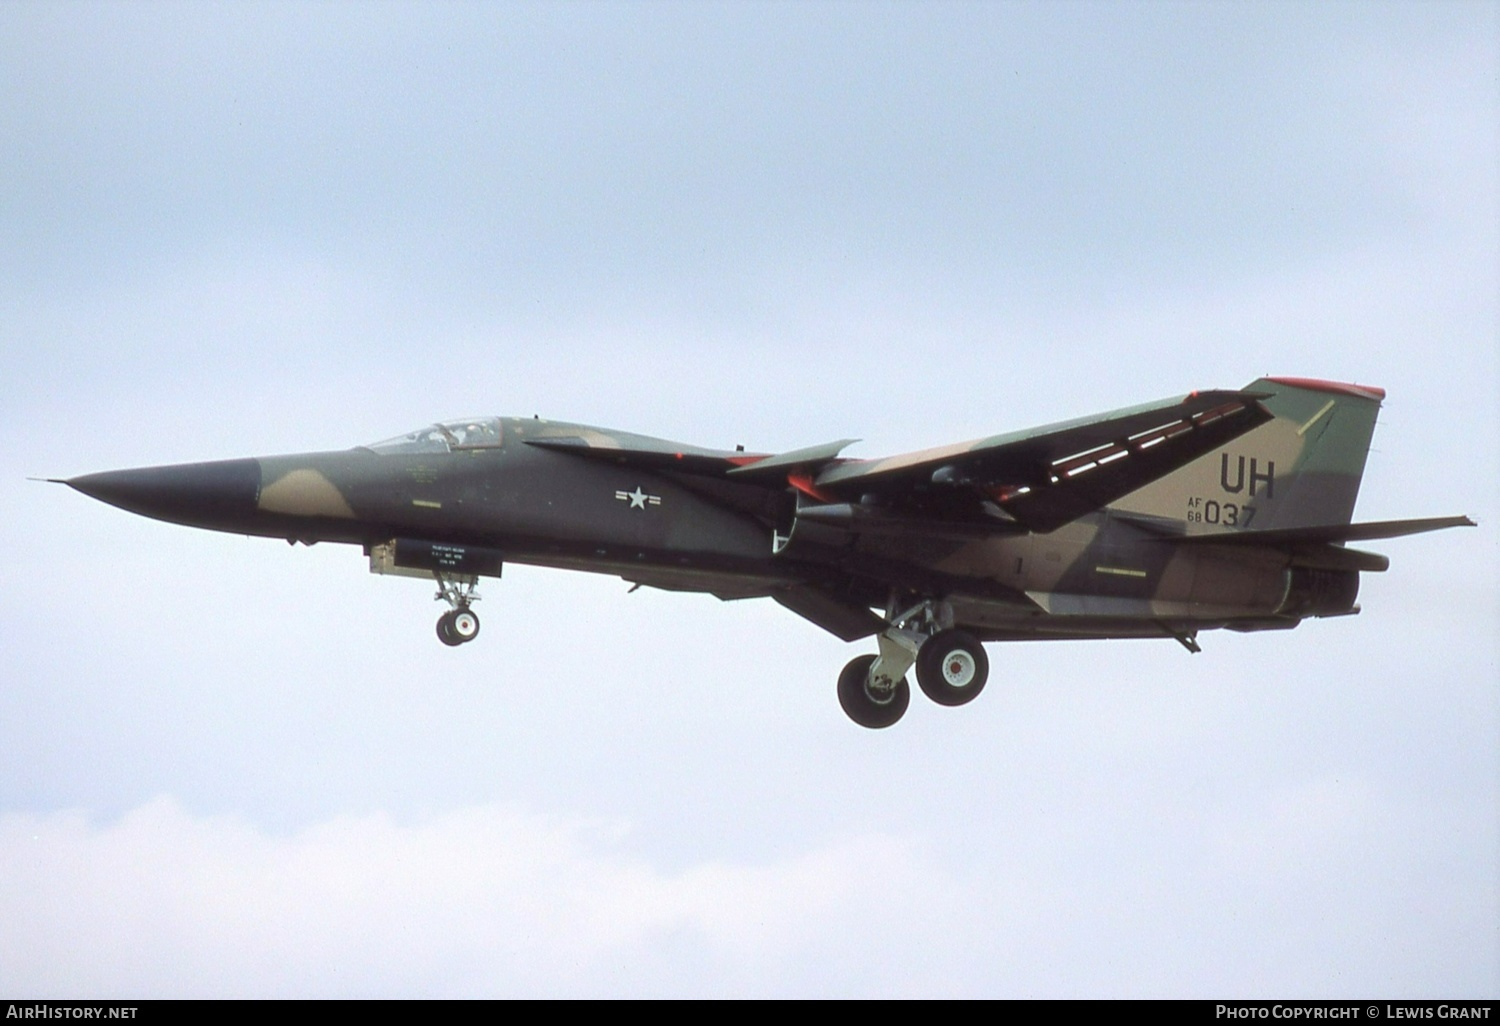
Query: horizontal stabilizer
point(1372, 531)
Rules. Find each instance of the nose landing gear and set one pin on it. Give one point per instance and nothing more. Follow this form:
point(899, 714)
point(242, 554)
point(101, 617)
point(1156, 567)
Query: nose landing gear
point(460, 624)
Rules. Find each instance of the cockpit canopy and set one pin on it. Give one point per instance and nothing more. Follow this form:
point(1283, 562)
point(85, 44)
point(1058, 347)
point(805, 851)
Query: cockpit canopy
point(467, 433)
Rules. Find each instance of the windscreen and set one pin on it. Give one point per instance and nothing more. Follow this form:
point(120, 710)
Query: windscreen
point(468, 433)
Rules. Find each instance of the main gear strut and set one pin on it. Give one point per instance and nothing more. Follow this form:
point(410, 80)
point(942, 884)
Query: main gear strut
point(952, 667)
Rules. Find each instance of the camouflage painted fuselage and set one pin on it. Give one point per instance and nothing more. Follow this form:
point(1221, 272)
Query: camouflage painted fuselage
point(1223, 509)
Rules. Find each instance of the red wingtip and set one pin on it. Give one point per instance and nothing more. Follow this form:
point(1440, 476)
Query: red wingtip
point(1339, 387)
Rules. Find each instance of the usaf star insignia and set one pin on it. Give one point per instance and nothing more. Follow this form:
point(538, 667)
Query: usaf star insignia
point(638, 499)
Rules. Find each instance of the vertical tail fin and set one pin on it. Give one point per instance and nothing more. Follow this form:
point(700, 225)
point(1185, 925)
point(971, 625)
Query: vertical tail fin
point(1332, 424)
point(1301, 469)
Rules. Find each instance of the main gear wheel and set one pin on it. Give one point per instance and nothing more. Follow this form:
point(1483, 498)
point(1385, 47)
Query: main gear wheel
point(952, 667)
point(867, 703)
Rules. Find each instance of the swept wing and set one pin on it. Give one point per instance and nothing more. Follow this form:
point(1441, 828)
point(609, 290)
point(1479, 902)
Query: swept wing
point(1045, 477)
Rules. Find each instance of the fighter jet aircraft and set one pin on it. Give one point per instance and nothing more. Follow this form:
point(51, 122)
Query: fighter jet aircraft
point(1215, 509)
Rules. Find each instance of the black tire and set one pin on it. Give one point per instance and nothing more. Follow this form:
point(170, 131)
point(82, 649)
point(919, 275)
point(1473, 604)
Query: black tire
point(860, 707)
point(464, 625)
point(445, 630)
point(952, 668)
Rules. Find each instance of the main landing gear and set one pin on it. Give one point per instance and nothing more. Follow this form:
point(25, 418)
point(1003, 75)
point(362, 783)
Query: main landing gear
point(460, 624)
point(870, 701)
point(952, 667)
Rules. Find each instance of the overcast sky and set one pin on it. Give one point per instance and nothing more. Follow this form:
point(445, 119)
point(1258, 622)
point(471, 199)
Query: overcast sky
point(229, 767)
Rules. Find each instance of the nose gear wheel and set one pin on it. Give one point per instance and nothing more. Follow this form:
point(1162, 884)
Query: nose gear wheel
point(460, 624)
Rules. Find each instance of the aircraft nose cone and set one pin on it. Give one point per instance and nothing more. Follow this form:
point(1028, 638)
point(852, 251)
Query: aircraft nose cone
point(220, 494)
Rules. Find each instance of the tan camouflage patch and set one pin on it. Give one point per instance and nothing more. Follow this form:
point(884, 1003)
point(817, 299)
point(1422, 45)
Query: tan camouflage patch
point(304, 493)
point(1246, 473)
